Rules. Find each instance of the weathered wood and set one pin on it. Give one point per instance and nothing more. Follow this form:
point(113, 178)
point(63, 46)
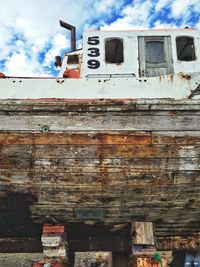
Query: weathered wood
point(111, 138)
point(71, 138)
point(103, 122)
point(135, 161)
point(176, 137)
point(100, 151)
point(180, 243)
point(100, 165)
point(150, 178)
point(142, 233)
point(86, 105)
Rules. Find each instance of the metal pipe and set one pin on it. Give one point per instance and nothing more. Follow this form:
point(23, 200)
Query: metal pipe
point(73, 33)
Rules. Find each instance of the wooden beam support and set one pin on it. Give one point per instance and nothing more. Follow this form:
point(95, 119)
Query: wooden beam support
point(178, 243)
point(142, 233)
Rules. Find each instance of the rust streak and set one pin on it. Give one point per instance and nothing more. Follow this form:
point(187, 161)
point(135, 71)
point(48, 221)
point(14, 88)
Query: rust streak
point(74, 138)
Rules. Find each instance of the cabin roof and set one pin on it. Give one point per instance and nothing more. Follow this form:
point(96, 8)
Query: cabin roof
point(141, 30)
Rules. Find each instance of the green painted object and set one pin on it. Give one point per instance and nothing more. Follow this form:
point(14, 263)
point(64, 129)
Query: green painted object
point(89, 213)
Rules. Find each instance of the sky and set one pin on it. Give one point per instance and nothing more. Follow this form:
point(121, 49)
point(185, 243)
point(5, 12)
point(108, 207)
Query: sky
point(31, 37)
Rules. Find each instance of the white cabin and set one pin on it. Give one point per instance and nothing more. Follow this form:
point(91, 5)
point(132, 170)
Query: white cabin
point(142, 53)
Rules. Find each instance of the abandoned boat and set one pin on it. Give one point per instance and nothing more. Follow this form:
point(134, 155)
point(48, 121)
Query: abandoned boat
point(115, 145)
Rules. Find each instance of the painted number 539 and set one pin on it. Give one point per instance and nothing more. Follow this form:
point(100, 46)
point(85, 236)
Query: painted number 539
point(93, 52)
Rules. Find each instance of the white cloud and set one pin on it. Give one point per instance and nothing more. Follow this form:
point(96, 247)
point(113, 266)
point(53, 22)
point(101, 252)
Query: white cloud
point(182, 8)
point(58, 43)
point(36, 25)
point(106, 6)
point(20, 65)
point(30, 28)
point(161, 25)
point(133, 16)
point(162, 3)
point(179, 7)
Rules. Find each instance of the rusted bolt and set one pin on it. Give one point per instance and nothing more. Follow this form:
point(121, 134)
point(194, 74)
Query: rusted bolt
point(187, 77)
point(60, 81)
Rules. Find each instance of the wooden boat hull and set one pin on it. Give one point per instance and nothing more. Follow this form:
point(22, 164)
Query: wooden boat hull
point(123, 160)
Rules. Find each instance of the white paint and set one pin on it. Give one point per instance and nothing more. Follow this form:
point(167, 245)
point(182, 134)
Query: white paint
point(117, 88)
point(51, 240)
point(130, 41)
point(113, 80)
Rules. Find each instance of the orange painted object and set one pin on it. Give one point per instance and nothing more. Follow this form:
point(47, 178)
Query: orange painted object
point(70, 73)
point(53, 229)
point(58, 265)
point(37, 264)
point(149, 262)
point(2, 75)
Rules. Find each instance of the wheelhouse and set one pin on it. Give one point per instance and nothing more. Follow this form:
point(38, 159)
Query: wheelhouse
point(143, 53)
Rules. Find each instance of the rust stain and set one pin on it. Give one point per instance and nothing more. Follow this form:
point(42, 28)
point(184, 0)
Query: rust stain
point(171, 77)
point(178, 242)
point(184, 76)
point(194, 92)
point(74, 138)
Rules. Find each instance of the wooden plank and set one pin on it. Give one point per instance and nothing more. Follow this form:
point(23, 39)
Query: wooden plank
point(150, 178)
point(100, 151)
point(131, 184)
point(176, 137)
point(165, 196)
point(97, 105)
point(100, 165)
point(111, 138)
point(98, 122)
point(142, 233)
point(61, 211)
point(17, 177)
point(82, 138)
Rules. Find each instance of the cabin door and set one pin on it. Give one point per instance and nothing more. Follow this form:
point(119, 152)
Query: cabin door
point(155, 56)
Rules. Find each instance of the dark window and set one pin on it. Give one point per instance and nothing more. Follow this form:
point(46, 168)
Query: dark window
point(155, 52)
point(114, 51)
point(185, 48)
point(72, 59)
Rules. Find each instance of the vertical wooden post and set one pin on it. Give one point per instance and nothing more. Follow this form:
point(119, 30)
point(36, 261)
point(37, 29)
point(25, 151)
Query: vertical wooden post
point(142, 233)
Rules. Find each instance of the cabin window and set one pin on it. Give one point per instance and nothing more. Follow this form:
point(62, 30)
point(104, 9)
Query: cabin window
point(185, 48)
point(72, 59)
point(114, 51)
point(155, 52)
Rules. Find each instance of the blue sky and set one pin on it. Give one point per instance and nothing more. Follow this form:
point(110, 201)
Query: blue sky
point(31, 36)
